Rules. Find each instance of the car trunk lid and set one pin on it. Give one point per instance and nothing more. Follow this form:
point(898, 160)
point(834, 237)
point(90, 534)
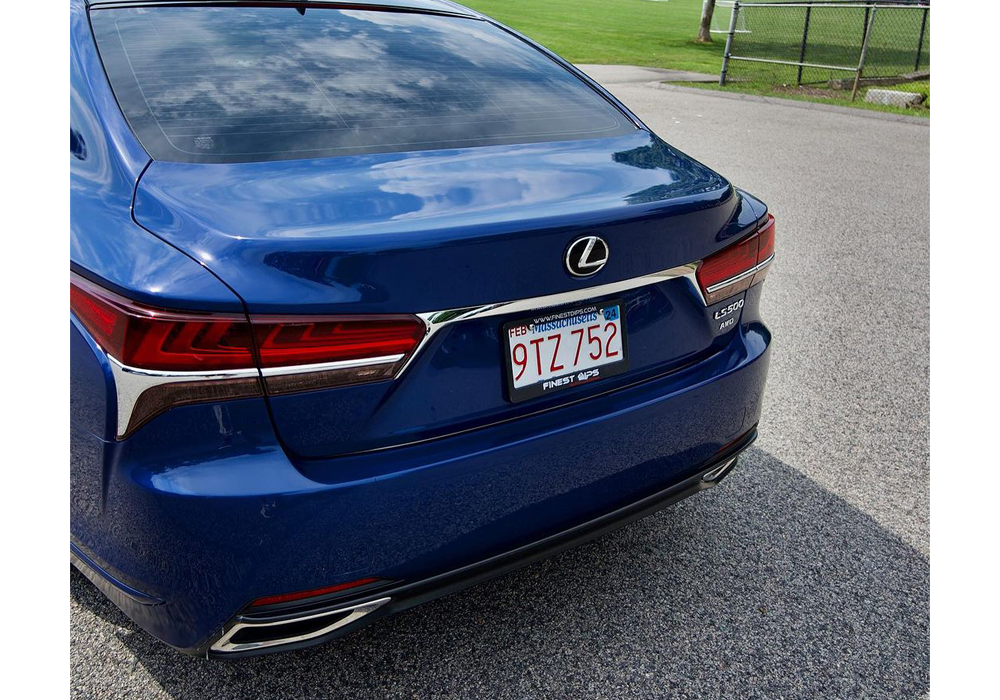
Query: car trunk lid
point(439, 230)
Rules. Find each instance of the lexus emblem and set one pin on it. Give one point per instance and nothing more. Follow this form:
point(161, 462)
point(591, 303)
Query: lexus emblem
point(586, 256)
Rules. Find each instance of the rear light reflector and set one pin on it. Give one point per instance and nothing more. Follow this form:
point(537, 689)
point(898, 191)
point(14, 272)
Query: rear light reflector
point(735, 268)
point(290, 380)
point(156, 399)
point(314, 593)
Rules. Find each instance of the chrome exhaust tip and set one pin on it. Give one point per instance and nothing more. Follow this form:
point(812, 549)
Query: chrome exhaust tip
point(251, 633)
point(714, 475)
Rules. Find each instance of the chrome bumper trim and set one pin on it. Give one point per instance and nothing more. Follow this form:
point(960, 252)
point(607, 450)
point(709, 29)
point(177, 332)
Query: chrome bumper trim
point(436, 320)
point(328, 366)
point(742, 276)
point(131, 382)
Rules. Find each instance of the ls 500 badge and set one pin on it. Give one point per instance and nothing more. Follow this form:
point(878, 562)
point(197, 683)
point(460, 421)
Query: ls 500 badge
point(726, 310)
point(726, 317)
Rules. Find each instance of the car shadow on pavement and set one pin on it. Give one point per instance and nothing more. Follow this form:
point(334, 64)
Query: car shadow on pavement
point(767, 586)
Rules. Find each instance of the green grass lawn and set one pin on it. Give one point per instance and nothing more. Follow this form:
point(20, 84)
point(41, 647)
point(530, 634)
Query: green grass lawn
point(635, 32)
point(661, 35)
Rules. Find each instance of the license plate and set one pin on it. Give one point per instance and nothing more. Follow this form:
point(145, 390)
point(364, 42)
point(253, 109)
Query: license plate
point(559, 350)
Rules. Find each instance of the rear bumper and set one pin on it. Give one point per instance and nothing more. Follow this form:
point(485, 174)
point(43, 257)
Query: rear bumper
point(350, 613)
point(184, 541)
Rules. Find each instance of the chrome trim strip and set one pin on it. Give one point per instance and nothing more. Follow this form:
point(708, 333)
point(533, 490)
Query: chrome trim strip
point(436, 320)
point(223, 645)
point(732, 280)
point(131, 382)
point(327, 366)
point(743, 275)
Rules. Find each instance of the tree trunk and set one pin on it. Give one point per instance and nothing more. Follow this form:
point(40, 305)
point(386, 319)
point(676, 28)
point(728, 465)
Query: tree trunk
point(704, 35)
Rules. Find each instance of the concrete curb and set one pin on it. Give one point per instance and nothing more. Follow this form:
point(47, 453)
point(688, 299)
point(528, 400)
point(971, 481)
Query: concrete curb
point(866, 113)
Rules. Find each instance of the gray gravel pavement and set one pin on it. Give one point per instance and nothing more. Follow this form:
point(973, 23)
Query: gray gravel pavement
point(805, 575)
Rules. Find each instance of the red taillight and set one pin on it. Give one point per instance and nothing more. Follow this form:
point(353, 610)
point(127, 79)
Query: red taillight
point(314, 593)
point(731, 267)
point(150, 338)
point(766, 252)
point(737, 267)
point(191, 357)
point(283, 342)
point(338, 351)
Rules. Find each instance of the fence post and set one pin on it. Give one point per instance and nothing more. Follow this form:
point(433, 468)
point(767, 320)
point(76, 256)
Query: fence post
point(729, 42)
point(802, 51)
point(864, 51)
point(920, 41)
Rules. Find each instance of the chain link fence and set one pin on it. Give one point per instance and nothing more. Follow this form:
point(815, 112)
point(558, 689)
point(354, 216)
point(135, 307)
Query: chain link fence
point(835, 44)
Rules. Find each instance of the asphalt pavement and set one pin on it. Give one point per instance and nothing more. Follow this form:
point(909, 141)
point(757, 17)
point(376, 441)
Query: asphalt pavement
point(804, 575)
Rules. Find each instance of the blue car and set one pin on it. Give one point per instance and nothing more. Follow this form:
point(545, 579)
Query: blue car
point(373, 301)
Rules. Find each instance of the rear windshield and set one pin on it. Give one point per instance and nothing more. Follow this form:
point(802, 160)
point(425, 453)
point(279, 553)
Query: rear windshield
point(233, 84)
